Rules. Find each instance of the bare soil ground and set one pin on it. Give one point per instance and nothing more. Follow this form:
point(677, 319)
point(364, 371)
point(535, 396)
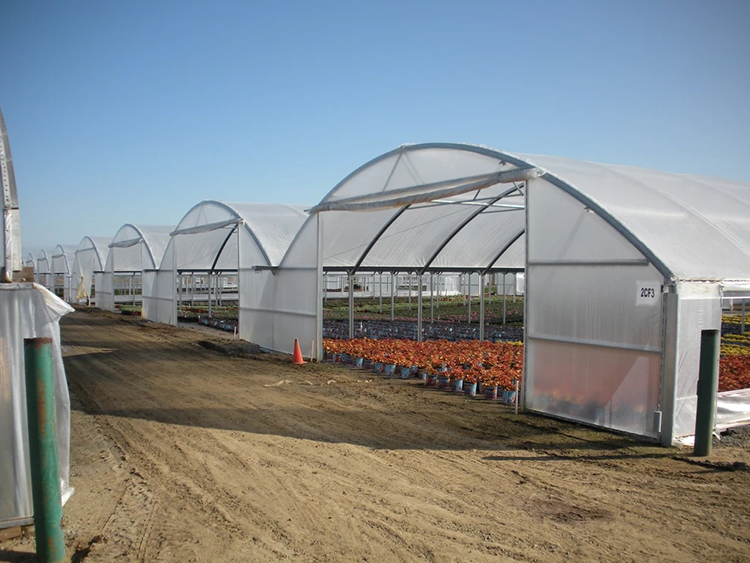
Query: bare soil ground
point(183, 453)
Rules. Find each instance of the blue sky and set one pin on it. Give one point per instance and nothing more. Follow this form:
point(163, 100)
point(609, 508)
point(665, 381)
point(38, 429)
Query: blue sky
point(134, 111)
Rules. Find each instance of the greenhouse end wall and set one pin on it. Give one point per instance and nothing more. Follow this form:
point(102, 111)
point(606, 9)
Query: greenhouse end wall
point(594, 318)
point(285, 305)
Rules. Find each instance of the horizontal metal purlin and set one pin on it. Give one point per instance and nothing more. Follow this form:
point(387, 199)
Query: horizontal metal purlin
point(634, 262)
point(597, 344)
point(413, 270)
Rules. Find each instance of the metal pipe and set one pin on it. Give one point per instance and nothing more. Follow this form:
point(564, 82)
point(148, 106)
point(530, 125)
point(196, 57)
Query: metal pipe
point(481, 308)
point(708, 384)
point(437, 305)
point(393, 290)
point(742, 322)
point(42, 426)
point(432, 298)
point(419, 309)
point(380, 290)
point(504, 292)
point(468, 293)
point(210, 282)
point(351, 305)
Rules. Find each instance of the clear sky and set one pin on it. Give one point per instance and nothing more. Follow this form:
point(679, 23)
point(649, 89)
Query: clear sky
point(134, 111)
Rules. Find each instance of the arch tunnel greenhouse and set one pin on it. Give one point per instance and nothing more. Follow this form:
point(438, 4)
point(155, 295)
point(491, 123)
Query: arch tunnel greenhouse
point(624, 267)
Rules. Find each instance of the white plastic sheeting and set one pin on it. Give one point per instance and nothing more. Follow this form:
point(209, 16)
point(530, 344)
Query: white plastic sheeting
point(732, 409)
point(62, 262)
point(27, 311)
point(42, 273)
point(132, 250)
point(91, 256)
point(611, 255)
point(698, 227)
point(593, 346)
point(223, 237)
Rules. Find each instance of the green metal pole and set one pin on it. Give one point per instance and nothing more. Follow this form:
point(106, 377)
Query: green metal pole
point(708, 384)
point(45, 476)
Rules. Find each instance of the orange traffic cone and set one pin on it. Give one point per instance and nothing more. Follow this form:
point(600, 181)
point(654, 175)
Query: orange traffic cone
point(297, 356)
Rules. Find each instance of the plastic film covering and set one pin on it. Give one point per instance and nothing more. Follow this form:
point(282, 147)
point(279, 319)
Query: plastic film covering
point(593, 348)
point(43, 271)
point(732, 409)
point(91, 257)
point(699, 308)
point(284, 306)
point(62, 260)
point(698, 227)
point(132, 250)
point(463, 231)
point(209, 238)
point(27, 311)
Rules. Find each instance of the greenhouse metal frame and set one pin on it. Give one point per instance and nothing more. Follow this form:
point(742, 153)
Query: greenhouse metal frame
point(133, 249)
point(624, 267)
point(215, 241)
point(63, 258)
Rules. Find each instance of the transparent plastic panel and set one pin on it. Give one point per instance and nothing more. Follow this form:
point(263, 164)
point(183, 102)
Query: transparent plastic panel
point(149, 295)
point(274, 226)
point(565, 230)
point(125, 233)
point(599, 304)
point(699, 227)
point(256, 321)
point(200, 251)
point(414, 165)
point(156, 240)
point(514, 257)
point(699, 308)
point(105, 298)
point(205, 213)
point(617, 389)
point(478, 243)
point(347, 234)
point(416, 235)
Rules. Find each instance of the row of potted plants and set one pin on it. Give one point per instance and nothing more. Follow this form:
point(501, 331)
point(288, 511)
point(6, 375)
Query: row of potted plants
point(465, 366)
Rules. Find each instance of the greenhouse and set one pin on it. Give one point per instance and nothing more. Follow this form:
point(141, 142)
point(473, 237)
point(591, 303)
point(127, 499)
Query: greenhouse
point(90, 258)
point(132, 250)
point(623, 268)
point(63, 259)
point(213, 253)
point(43, 272)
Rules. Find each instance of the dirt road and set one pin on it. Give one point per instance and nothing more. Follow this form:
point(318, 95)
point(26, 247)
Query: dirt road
point(180, 453)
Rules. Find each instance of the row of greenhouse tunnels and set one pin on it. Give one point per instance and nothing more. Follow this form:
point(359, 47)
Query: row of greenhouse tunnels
point(607, 274)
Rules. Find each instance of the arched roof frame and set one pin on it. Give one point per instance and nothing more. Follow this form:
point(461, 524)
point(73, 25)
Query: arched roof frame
point(65, 252)
point(93, 243)
point(237, 218)
point(429, 193)
point(143, 236)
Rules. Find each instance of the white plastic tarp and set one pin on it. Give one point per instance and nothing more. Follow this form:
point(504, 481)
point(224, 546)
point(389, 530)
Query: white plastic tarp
point(27, 311)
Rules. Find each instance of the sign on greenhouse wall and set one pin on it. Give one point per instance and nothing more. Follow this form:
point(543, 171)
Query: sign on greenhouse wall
point(648, 293)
